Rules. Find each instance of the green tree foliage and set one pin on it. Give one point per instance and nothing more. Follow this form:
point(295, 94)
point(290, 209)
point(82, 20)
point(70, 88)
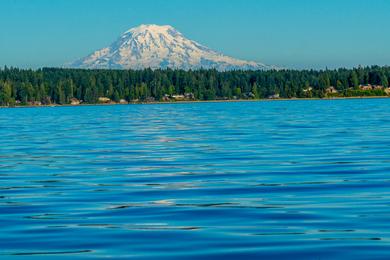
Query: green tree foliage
point(6, 94)
point(55, 85)
point(255, 91)
point(354, 81)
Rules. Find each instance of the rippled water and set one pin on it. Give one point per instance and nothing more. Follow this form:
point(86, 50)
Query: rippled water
point(288, 179)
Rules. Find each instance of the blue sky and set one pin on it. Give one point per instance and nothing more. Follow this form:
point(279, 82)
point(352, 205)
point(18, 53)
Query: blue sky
point(290, 33)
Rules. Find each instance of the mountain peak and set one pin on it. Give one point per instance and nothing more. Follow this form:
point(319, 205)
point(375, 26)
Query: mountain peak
point(150, 28)
point(160, 46)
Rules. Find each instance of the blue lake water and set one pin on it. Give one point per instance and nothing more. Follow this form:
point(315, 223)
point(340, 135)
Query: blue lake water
point(260, 180)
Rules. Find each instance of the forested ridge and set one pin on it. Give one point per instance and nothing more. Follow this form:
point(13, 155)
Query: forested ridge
point(61, 86)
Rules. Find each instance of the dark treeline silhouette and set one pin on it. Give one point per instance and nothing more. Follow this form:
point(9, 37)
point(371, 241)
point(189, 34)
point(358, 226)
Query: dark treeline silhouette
point(61, 86)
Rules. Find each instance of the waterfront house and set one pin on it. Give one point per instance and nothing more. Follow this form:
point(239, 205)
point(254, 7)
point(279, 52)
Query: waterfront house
point(178, 97)
point(331, 90)
point(249, 95)
point(371, 87)
point(189, 96)
point(274, 96)
point(74, 101)
point(378, 87)
point(166, 97)
point(104, 100)
point(365, 87)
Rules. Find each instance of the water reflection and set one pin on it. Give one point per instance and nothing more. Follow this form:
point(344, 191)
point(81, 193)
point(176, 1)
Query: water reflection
point(290, 180)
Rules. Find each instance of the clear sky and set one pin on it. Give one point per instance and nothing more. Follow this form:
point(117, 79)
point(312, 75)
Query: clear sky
point(289, 33)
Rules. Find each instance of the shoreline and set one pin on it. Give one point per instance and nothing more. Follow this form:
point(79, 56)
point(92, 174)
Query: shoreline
point(197, 101)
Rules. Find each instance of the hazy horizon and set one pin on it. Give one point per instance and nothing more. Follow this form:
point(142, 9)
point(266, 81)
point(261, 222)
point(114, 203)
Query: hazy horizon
point(296, 35)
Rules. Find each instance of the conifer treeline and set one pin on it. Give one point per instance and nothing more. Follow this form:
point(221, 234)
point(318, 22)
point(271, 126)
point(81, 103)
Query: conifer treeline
point(59, 86)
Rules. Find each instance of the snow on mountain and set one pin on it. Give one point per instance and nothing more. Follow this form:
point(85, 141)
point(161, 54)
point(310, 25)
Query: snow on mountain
point(154, 46)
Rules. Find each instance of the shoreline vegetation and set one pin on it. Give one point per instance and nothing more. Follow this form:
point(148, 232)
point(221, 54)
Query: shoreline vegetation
point(196, 101)
point(74, 87)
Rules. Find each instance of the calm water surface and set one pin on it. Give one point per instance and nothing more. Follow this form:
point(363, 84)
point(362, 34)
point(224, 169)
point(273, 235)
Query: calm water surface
point(270, 180)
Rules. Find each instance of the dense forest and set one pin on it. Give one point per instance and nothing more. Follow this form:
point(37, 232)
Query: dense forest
point(64, 86)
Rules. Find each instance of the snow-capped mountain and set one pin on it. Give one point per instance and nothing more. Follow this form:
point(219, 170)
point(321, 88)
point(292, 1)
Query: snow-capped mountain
point(154, 46)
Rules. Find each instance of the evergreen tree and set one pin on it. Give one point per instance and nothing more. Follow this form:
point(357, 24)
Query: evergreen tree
point(255, 91)
point(50, 85)
point(354, 82)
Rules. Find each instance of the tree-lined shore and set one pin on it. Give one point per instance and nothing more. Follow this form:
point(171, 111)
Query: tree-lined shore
point(59, 86)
